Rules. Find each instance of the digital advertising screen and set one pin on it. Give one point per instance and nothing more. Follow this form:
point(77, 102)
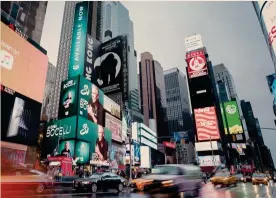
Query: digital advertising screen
point(115, 126)
point(22, 61)
point(82, 150)
point(233, 117)
point(137, 155)
point(206, 123)
point(197, 64)
point(20, 117)
point(111, 67)
point(69, 97)
point(117, 156)
point(67, 148)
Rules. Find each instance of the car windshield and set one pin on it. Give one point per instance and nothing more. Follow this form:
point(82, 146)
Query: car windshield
point(165, 170)
point(222, 174)
point(259, 175)
point(96, 175)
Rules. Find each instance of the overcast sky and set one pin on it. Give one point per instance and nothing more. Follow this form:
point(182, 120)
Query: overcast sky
point(230, 31)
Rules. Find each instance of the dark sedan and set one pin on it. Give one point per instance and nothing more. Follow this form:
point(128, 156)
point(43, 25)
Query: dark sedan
point(100, 181)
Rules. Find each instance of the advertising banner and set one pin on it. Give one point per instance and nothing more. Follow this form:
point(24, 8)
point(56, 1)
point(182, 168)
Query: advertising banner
point(146, 159)
point(193, 42)
point(112, 107)
point(239, 147)
point(20, 117)
point(197, 64)
point(134, 132)
point(181, 135)
point(99, 139)
point(23, 67)
point(233, 117)
point(207, 146)
point(271, 79)
point(136, 148)
point(78, 45)
point(69, 97)
point(115, 126)
point(91, 100)
point(67, 148)
point(206, 123)
point(117, 157)
point(82, 152)
point(111, 67)
point(223, 119)
point(169, 144)
point(209, 160)
point(268, 15)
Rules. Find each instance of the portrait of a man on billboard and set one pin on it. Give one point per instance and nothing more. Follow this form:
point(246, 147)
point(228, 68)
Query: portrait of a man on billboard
point(95, 108)
point(101, 145)
point(66, 151)
point(67, 103)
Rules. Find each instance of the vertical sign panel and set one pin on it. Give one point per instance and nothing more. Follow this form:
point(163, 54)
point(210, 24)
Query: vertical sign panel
point(233, 117)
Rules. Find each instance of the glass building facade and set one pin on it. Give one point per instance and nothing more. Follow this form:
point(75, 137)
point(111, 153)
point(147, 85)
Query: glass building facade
point(28, 16)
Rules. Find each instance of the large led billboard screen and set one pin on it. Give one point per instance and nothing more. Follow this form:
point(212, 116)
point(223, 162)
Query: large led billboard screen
point(197, 64)
point(206, 123)
point(20, 117)
point(23, 67)
point(233, 117)
point(115, 126)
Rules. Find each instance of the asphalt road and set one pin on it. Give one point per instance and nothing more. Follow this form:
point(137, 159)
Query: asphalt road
point(242, 190)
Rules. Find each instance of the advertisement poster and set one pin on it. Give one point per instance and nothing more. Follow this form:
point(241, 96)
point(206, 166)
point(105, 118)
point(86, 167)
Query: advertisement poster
point(117, 157)
point(112, 107)
point(206, 123)
point(91, 100)
point(111, 67)
point(193, 42)
point(99, 139)
point(223, 119)
point(197, 65)
point(233, 117)
point(20, 60)
point(115, 126)
point(68, 97)
point(82, 152)
point(240, 147)
point(59, 130)
point(20, 117)
point(271, 79)
point(146, 159)
point(77, 53)
point(136, 149)
point(209, 160)
point(67, 148)
point(178, 136)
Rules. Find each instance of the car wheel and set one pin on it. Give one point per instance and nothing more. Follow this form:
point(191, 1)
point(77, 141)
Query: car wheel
point(40, 188)
point(120, 187)
point(94, 188)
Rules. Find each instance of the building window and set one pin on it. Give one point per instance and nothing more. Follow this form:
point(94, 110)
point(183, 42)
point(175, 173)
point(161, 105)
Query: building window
point(108, 17)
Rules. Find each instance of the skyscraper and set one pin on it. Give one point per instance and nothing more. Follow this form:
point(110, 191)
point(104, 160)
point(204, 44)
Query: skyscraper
point(178, 106)
point(65, 44)
point(222, 74)
point(115, 22)
point(28, 16)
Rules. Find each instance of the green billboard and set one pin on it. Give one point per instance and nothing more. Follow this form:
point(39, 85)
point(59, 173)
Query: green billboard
point(82, 152)
point(233, 117)
point(66, 147)
point(77, 54)
point(68, 97)
point(223, 119)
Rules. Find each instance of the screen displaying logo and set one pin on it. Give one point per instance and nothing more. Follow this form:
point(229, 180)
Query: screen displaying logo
point(206, 123)
point(233, 117)
point(22, 61)
point(231, 109)
point(196, 64)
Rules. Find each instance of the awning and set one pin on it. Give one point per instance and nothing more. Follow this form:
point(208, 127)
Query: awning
point(54, 164)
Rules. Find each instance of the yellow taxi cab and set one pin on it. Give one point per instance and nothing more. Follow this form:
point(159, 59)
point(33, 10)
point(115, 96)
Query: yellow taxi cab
point(224, 178)
point(141, 183)
point(260, 178)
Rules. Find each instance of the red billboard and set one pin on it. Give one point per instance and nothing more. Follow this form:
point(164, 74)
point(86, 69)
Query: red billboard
point(206, 123)
point(169, 144)
point(197, 64)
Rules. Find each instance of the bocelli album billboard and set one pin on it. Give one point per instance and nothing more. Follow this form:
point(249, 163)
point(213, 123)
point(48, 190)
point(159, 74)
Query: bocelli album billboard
point(111, 67)
point(20, 117)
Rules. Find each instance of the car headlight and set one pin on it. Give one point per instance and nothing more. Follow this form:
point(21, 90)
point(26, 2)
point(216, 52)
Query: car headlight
point(86, 182)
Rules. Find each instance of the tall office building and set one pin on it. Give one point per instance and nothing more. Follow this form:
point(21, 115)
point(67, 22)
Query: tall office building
point(222, 74)
point(115, 22)
point(223, 91)
point(28, 16)
point(94, 29)
point(178, 105)
point(48, 91)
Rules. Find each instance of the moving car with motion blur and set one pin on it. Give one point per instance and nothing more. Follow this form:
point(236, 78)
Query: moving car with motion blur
point(172, 179)
point(260, 178)
point(25, 180)
point(224, 178)
point(240, 178)
point(100, 181)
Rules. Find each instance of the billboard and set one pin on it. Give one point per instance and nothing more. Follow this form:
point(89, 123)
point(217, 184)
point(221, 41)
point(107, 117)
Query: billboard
point(197, 64)
point(207, 146)
point(67, 148)
point(136, 152)
point(271, 79)
point(20, 117)
point(111, 69)
point(233, 117)
point(112, 107)
point(146, 159)
point(268, 15)
point(206, 123)
point(115, 126)
point(240, 147)
point(223, 118)
point(117, 156)
point(181, 135)
point(82, 151)
point(147, 136)
point(193, 42)
point(169, 144)
point(209, 160)
point(69, 97)
point(22, 61)
point(78, 45)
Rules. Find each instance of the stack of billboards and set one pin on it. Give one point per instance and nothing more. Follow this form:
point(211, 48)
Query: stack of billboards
point(23, 75)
